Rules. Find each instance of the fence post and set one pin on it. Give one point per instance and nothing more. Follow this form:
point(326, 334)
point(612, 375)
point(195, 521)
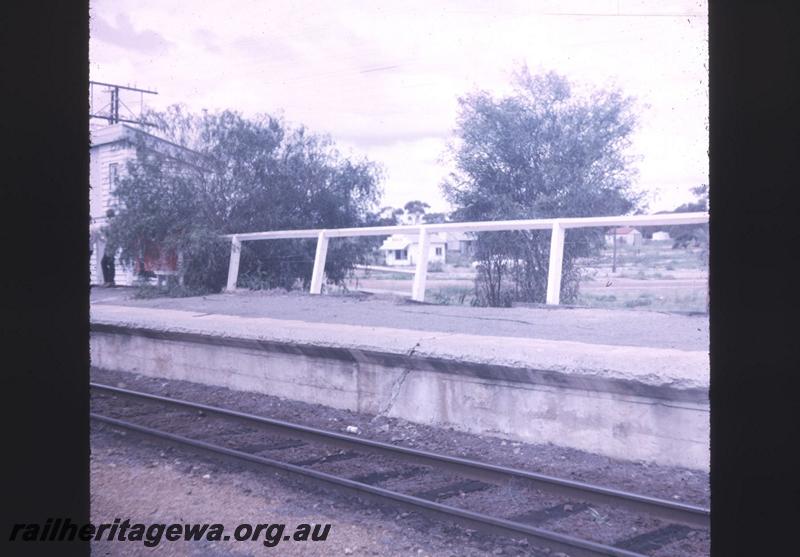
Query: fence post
point(418, 289)
point(319, 263)
point(555, 266)
point(233, 266)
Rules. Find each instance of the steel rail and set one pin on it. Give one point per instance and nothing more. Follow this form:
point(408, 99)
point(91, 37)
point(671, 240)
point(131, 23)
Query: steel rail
point(673, 511)
point(560, 542)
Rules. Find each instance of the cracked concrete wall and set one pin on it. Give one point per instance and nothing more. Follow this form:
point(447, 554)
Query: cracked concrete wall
point(346, 385)
point(615, 425)
point(659, 429)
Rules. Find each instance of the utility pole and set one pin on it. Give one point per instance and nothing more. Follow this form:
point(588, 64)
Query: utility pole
point(113, 116)
point(614, 259)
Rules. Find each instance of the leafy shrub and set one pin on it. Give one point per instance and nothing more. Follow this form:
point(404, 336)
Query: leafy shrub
point(170, 290)
point(642, 300)
point(241, 175)
point(541, 152)
point(606, 298)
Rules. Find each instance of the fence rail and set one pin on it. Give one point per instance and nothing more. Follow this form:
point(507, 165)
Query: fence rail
point(557, 227)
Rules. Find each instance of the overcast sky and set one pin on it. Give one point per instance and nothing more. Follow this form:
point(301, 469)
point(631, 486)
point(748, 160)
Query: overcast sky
point(383, 77)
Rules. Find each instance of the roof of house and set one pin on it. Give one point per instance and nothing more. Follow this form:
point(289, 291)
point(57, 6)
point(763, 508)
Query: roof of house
point(622, 230)
point(394, 242)
point(402, 241)
point(459, 236)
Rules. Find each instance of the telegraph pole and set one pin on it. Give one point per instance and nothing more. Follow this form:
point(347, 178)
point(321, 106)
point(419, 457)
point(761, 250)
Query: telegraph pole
point(614, 260)
point(113, 116)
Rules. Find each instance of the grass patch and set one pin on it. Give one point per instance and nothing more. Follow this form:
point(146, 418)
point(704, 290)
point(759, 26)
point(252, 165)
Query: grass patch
point(382, 275)
point(641, 274)
point(456, 259)
point(391, 276)
point(682, 300)
point(172, 290)
point(642, 300)
point(451, 296)
point(650, 257)
point(603, 298)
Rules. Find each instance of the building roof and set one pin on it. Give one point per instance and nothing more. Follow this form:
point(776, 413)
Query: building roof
point(108, 134)
point(459, 236)
point(120, 132)
point(123, 132)
point(402, 241)
point(395, 242)
point(622, 230)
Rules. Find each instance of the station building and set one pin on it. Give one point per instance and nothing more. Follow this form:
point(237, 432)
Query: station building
point(111, 148)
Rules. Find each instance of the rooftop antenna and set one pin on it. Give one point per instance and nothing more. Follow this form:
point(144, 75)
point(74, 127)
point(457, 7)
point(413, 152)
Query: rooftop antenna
point(113, 116)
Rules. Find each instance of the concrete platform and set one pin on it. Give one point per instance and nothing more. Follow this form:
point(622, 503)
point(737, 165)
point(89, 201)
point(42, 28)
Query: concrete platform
point(632, 402)
point(596, 326)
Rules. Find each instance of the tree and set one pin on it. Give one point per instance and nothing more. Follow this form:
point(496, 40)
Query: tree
point(684, 234)
point(248, 175)
point(389, 216)
point(435, 218)
point(542, 152)
point(416, 209)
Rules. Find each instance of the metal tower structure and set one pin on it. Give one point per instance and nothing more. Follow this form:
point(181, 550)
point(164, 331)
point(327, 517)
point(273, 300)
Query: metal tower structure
point(113, 112)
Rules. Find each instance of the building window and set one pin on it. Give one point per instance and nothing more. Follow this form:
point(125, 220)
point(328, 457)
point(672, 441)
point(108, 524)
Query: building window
point(400, 254)
point(438, 251)
point(113, 169)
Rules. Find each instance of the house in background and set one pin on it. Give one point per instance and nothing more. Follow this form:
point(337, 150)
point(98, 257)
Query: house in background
point(460, 242)
point(624, 235)
point(403, 249)
point(111, 147)
point(661, 236)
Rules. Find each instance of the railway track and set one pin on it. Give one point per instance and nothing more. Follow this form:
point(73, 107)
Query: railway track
point(413, 479)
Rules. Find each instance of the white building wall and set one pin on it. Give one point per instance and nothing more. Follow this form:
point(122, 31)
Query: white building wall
point(108, 148)
point(102, 158)
point(633, 238)
point(629, 239)
point(413, 251)
point(392, 261)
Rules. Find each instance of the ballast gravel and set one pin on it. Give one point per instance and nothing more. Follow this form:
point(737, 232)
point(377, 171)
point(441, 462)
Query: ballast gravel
point(138, 479)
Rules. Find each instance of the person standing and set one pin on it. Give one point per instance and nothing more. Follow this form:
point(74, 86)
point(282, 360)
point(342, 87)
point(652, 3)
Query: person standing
point(107, 262)
point(91, 237)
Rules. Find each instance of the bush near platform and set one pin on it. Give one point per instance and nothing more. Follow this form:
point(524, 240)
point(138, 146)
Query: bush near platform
point(245, 175)
point(545, 151)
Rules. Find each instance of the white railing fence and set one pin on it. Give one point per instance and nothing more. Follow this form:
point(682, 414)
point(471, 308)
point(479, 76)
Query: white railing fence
point(556, 226)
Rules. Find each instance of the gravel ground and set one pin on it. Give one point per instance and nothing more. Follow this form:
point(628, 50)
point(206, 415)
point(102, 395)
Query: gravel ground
point(139, 480)
point(597, 326)
point(225, 497)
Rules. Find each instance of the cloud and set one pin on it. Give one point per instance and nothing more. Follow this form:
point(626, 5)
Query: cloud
point(124, 35)
point(208, 40)
point(382, 136)
point(383, 78)
point(266, 47)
